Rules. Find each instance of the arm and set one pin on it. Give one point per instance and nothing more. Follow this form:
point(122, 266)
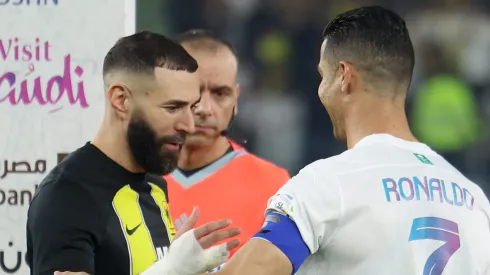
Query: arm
point(277, 248)
point(270, 260)
point(63, 229)
point(300, 218)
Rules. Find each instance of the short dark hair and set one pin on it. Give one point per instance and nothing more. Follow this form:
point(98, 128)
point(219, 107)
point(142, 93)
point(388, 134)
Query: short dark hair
point(375, 40)
point(199, 35)
point(144, 51)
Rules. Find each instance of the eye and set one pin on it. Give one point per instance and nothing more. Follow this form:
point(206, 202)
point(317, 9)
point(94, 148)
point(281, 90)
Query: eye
point(219, 93)
point(172, 109)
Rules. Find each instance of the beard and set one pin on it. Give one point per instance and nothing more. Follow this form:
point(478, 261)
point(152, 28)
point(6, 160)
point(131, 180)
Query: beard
point(148, 149)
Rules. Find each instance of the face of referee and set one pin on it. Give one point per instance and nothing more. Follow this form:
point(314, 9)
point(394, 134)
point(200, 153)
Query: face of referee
point(333, 90)
point(219, 93)
point(160, 119)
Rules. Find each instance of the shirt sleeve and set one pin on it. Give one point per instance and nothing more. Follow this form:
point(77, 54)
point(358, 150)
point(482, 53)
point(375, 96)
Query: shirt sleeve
point(313, 201)
point(63, 229)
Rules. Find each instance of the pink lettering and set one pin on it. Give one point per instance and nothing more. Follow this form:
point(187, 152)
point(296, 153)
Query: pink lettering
point(4, 51)
point(57, 88)
point(16, 50)
point(435, 185)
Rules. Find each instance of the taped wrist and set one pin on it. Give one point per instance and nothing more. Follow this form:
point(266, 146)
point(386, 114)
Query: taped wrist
point(187, 257)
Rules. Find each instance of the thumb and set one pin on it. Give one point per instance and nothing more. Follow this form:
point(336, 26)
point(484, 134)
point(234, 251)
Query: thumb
point(189, 223)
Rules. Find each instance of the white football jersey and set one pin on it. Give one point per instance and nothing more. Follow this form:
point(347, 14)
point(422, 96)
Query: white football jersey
point(388, 206)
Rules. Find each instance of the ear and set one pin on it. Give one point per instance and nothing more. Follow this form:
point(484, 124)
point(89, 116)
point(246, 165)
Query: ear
point(237, 94)
point(237, 90)
point(119, 96)
point(345, 76)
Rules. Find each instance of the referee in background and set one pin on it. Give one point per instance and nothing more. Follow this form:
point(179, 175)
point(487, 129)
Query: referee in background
point(101, 210)
point(210, 161)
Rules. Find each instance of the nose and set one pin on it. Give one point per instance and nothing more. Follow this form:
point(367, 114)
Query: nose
point(203, 108)
point(186, 122)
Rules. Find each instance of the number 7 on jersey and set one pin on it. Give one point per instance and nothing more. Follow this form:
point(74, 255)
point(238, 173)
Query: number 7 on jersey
point(433, 228)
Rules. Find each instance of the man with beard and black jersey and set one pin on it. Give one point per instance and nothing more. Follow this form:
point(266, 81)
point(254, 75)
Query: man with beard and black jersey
point(100, 211)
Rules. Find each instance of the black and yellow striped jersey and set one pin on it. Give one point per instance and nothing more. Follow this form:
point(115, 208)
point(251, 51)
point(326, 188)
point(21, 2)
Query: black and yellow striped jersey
point(92, 215)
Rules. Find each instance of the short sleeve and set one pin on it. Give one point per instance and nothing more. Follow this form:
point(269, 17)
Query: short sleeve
point(63, 229)
point(312, 200)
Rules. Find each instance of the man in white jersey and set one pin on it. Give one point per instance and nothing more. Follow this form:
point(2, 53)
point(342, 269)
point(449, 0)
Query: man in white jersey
point(388, 205)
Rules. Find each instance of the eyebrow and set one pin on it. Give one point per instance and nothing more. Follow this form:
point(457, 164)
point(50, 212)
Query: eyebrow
point(221, 87)
point(180, 103)
point(176, 102)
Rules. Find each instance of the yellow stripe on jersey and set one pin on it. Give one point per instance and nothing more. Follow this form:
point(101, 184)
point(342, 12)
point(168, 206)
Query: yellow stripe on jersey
point(140, 245)
point(161, 200)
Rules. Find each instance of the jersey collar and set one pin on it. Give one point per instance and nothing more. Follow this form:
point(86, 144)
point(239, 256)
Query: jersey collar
point(394, 141)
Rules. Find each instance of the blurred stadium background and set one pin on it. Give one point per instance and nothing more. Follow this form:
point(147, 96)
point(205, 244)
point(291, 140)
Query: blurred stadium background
point(280, 117)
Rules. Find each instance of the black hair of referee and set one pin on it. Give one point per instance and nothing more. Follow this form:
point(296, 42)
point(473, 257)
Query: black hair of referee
point(366, 64)
point(151, 89)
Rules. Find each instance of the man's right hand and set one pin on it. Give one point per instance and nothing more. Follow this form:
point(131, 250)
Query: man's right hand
point(194, 251)
point(210, 233)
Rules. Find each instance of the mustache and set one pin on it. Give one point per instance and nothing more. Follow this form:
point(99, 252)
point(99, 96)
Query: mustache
point(177, 138)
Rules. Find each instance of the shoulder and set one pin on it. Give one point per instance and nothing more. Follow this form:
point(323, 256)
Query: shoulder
point(263, 166)
point(326, 168)
point(62, 203)
point(259, 163)
point(57, 189)
point(349, 161)
point(316, 183)
point(66, 191)
point(71, 180)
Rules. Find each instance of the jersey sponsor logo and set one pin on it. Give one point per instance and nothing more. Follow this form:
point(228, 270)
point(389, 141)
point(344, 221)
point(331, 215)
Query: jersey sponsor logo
point(141, 248)
point(282, 203)
point(131, 231)
point(427, 189)
point(422, 158)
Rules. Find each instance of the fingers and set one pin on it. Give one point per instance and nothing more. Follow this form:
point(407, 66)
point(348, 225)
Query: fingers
point(189, 223)
point(210, 227)
point(217, 236)
point(232, 244)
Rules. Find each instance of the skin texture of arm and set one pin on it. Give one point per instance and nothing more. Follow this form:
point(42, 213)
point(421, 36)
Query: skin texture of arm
point(258, 257)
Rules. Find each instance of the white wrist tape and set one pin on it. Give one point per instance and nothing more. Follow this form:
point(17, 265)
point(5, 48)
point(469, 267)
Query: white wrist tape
point(187, 257)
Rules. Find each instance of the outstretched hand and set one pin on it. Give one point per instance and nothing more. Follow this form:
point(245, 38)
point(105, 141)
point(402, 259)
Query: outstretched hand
point(185, 256)
point(210, 233)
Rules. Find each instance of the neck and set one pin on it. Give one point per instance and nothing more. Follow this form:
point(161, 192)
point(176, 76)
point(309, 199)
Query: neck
point(193, 157)
point(112, 142)
point(386, 116)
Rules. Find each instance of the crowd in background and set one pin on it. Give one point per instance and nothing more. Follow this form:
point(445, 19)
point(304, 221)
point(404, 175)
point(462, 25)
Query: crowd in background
point(279, 115)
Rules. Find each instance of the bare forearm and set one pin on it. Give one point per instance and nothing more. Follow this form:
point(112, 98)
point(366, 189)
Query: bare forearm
point(258, 257)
